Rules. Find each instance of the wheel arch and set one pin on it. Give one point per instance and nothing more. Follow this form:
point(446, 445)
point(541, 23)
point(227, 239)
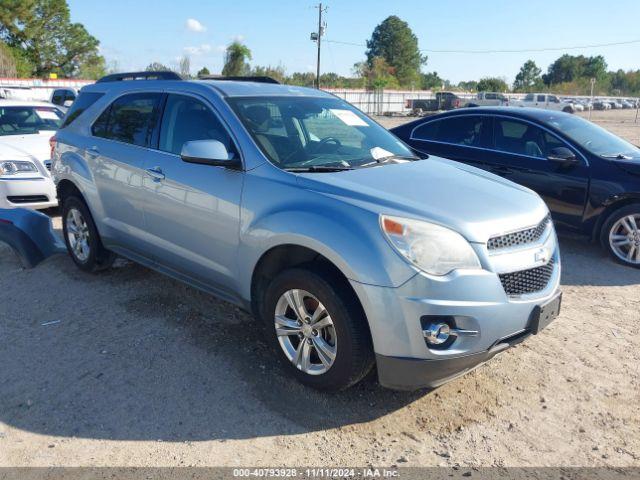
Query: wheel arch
point(611, 207)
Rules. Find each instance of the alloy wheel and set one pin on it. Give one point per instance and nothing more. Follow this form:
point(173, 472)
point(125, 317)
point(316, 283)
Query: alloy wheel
point(624, 239)
point(305, 332)
point(78, 235)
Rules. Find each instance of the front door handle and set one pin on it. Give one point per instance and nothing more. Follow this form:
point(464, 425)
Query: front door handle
point(93, 152)
point(155, 173)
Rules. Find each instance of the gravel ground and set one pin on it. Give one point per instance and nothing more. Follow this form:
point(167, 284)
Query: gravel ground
point(130, 368)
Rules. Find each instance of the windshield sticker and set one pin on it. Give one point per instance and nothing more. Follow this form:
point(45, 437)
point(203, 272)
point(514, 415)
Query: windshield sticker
point(349, 118)
point(377, 153)
point(47, 114)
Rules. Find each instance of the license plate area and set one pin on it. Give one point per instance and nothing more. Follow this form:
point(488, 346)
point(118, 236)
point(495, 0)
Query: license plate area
point(543, 315)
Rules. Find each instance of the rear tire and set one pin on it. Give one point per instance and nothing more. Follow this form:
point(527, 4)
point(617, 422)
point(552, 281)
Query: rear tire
point(82, 238)
point(335, 342)
point(620, 235)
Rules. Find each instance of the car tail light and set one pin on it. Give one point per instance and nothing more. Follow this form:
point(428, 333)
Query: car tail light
point(456, 103)
point(407, 104)
point(52, 145)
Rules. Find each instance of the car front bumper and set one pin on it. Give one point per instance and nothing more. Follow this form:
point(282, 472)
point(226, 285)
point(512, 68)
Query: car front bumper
point(474, 301)
point(27, 192)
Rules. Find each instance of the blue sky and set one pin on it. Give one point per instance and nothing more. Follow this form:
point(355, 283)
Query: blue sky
point(134, 33)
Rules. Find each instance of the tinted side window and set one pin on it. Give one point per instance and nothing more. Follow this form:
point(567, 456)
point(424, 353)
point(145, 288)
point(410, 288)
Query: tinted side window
point(521, 138)
point(84, 101)
point(427, 131)
point(461, 130)
point(129, 119)
point(186, 119)
point(541, 98)
point(529, 97)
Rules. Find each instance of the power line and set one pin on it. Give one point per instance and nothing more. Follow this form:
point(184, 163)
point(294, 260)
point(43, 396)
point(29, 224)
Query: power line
point(532, 50)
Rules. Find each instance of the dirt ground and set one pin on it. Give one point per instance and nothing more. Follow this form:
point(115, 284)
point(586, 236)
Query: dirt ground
point(130, 368)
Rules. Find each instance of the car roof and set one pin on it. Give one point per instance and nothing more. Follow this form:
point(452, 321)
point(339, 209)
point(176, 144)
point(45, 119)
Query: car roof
point(539, 114)
point(25, 103)
point(224, 88)
point(526, 113)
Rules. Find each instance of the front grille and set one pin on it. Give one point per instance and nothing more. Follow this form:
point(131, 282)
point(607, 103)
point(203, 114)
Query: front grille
point(527, 281)
point(28, 199)
point(523, 237)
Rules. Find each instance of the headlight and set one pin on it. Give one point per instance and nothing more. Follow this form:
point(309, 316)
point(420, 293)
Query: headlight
point(432, 248)
point(12, 167)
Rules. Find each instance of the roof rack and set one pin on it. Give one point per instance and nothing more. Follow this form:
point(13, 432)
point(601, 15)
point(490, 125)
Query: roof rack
point(262, 79)
point(161, 75)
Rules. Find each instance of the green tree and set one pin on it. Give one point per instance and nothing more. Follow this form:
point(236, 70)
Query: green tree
point(569, 68)
point(432, 81)
point(377, 74)
point(528, 77)
point(277, 73)
point(468, 85)
point(302, 79)
point(42, 31)
point(395, 43)
point(203, 72)
point(235, 60)
point(7, 62)
point(492, 84)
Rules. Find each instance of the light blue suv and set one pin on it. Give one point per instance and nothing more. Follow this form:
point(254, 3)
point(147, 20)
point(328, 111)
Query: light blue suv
point(294, 205)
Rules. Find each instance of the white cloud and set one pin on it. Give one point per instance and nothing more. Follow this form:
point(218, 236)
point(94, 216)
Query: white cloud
point(194, 25)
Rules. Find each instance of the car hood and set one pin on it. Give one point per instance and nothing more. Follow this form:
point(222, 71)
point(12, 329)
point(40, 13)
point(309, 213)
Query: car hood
point(631, 166)
point(31, 147)
point(475, 203)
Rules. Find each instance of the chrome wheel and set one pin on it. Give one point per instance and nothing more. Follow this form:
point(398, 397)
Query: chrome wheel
point(78, 235)
point(305, 332)
point(624, 239)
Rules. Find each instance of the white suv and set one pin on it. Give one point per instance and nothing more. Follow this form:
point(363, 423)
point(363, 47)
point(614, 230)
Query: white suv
point(25, 152)
point(545, 101)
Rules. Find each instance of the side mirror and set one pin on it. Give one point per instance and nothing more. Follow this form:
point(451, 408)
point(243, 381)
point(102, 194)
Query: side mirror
point(563, 156)
point(209, 152)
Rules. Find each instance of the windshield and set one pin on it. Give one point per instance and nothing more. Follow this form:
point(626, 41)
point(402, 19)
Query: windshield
point(308, 132)
point(27, 120)
point(594, 138)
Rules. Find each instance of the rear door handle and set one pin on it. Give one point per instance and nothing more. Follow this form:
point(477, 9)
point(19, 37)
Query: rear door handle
point(93, 152)
point(155, 173)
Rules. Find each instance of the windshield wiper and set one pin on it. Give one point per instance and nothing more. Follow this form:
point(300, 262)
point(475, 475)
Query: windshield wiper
point(318, 168)
point(377, 161)
point(617, 156)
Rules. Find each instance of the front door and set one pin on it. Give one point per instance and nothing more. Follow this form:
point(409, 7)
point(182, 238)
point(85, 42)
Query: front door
point(519, 153)
point(192, 211)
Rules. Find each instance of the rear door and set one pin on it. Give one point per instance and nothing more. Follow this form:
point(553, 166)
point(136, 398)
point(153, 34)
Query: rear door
point(192, 211)
point(116, 154)
point(459, 137)
point(519, 153)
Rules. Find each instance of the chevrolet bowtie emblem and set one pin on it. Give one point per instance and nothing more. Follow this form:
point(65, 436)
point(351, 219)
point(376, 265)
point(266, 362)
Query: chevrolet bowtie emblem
point(541, 256)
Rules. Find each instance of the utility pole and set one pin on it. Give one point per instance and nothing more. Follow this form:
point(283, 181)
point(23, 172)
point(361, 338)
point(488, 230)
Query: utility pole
point(593, 82)
point(317, 37)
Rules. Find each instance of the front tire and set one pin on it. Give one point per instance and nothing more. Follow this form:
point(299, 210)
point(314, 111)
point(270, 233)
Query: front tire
point(620, 235)
point(82, 238)
point(318, 330)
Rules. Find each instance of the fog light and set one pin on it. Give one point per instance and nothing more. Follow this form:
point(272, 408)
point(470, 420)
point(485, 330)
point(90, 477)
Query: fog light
point(437, 333)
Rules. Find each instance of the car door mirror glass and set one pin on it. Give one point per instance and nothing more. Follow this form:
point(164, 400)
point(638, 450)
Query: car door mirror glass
point(208, 152)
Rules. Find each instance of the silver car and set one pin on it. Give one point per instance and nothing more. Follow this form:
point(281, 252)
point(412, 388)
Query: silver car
point(294, 205)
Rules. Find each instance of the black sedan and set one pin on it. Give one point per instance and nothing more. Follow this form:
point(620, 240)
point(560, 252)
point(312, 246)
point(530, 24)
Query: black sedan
point(589, 177)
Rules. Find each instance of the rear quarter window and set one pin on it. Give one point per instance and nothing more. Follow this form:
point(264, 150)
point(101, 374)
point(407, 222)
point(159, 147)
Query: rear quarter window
point(84, 101)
